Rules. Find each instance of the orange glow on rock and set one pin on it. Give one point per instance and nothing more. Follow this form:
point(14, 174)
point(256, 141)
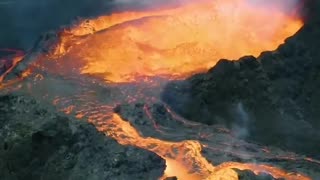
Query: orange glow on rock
point(184, 159)
point(174, 42)
point(15, 59)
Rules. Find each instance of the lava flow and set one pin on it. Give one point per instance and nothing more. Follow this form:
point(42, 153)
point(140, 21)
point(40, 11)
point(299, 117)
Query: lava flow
point(10, 61)
point(170, 42)
point(184, 159)
point(174, 41)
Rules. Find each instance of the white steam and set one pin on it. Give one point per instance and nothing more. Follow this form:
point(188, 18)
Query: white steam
point(283, 5)
point(240, 127)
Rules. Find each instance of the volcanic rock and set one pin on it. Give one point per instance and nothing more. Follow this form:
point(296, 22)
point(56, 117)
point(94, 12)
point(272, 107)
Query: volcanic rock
point(171, 178)
point(248, 175)
point(273, 98)
point(38, 143)
point(156, 121)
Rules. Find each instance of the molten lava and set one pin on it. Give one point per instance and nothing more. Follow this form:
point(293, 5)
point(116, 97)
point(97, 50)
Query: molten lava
point(184, 159)
point(9, 62)
point(176, 41)
point(172, 42)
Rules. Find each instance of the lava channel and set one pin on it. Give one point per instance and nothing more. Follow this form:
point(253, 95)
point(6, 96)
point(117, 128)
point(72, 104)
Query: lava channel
point(9, 62)
point(184, 159)
point(173, 42)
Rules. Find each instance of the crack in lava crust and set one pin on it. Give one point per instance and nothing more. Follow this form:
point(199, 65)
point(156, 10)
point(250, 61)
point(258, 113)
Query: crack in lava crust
point(86, 99)
point(181, 157)
point(130, 47)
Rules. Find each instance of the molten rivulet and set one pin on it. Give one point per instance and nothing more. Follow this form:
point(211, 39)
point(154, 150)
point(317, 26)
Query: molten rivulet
point(173, 42)
point(187, 163)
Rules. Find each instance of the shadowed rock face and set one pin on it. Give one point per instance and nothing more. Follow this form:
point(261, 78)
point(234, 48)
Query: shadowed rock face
point(278, 93)
point(247, 175)
point(36, 143)
point(272, 99)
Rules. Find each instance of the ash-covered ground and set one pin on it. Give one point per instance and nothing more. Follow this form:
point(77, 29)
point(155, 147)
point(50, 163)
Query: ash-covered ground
point(263, 110)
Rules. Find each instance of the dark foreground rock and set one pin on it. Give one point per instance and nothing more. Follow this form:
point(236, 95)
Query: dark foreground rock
point(249, 175)
point(36, 143)
point(273, 99)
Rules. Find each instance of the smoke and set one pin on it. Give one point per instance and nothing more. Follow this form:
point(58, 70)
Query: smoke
point(288, 6)
point(241, 123)
point(140, 3)
point(23, 21)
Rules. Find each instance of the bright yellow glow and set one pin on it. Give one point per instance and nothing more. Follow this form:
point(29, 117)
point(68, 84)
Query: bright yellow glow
point(179, 41)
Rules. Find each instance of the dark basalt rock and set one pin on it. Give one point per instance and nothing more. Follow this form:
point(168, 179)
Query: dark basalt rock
point(275, 97)
point(171, 178)
point(249, 175)
point(4, 65)
point(37, 143)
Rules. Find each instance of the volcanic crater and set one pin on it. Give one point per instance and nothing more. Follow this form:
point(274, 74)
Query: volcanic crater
point(157, 81)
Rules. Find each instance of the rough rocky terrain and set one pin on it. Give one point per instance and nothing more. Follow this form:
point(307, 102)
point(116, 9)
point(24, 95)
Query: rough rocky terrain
point(220, 144)
point(272, 101)
point(275, 96)
point(38, 143)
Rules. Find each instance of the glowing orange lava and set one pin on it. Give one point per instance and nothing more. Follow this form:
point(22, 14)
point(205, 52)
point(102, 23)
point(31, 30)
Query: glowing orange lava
point(184, 159)
point(172, 42)
point(8, 64)
point(175, 41)
point(13, 59)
